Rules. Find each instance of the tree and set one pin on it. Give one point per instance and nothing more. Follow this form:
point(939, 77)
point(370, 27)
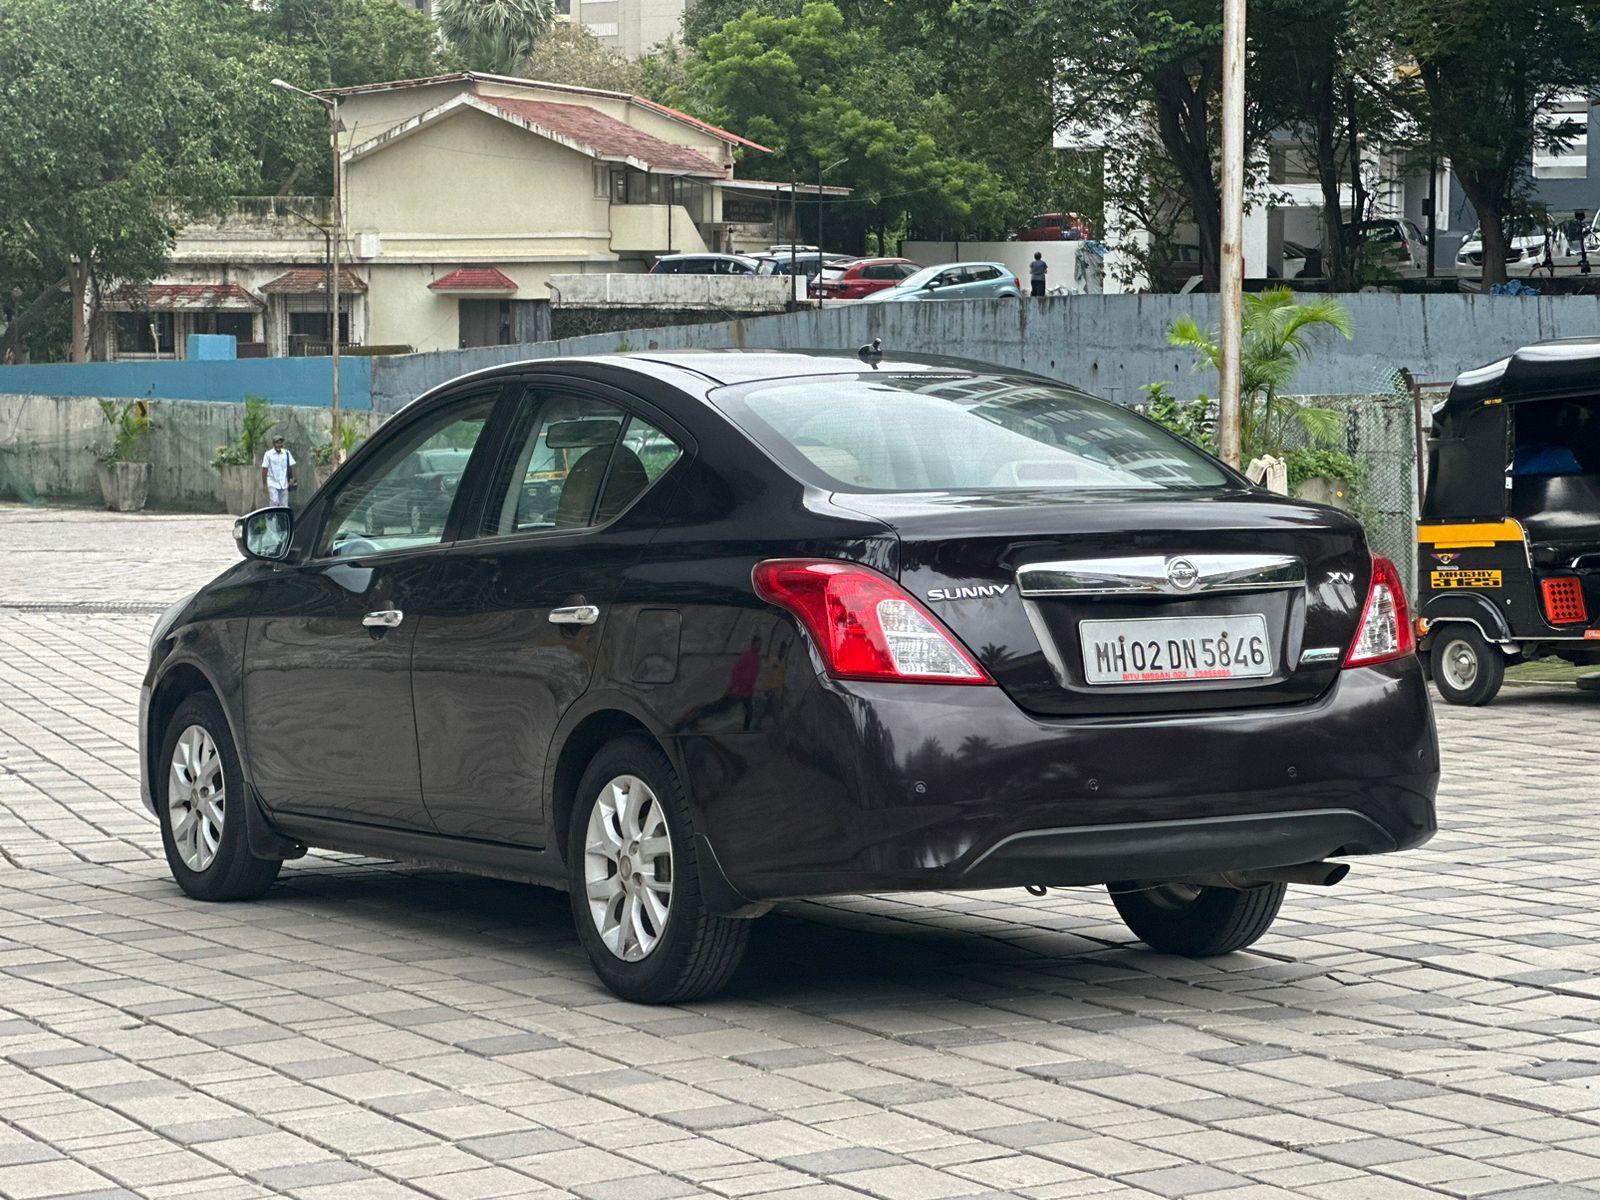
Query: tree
point(1277, 337)
point(1326, 78)
point(1486, 73)
point(570, 54)
point(494, 35)
point(122, 119)
point(1126, 63)
point(821, 92)
point(90, 158)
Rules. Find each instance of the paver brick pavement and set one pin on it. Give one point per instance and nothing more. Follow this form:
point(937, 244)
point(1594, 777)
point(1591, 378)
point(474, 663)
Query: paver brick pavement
point(1426, 1028)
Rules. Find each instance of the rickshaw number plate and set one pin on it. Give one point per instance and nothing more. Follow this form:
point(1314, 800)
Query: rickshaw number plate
point(1466, 579)
point(1176, 649)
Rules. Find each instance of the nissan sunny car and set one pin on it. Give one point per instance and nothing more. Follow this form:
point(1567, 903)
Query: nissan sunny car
point(689, 634)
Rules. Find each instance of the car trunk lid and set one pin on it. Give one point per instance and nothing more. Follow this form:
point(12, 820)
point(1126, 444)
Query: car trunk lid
point(1086, 603)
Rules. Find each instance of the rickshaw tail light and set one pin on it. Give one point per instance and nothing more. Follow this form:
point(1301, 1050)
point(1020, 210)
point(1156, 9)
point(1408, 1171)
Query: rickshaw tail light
point(1563, 600)
point(1385, 632)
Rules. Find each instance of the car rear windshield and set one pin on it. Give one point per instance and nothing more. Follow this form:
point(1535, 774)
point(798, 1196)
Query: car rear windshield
point(959, 432)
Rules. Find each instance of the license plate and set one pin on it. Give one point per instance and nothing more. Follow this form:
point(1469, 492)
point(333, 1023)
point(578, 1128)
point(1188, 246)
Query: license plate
point(1176, 649)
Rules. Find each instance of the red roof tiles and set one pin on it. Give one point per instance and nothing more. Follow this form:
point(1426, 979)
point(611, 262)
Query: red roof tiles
point(473, 279)
point(169, 297)
point(601, 135)
point(303, 281)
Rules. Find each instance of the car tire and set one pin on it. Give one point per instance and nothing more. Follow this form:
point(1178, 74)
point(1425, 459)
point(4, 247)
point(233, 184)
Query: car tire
point(647, 943)
point(1197, 921)
point(203, 830)
point(1467, 670)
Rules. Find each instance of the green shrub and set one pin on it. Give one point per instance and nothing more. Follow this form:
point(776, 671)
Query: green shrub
point(129, 421)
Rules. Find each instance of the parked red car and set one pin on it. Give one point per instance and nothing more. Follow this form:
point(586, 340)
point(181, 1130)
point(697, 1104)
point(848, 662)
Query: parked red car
point(1056, 227)
point(854, 280)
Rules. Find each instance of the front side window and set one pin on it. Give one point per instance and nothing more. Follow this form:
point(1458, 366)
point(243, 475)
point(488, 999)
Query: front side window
point(401, 499)
point(972, 432)
point(576, 463)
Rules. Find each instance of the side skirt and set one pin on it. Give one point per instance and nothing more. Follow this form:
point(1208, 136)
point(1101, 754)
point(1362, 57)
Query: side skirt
point(521, 864)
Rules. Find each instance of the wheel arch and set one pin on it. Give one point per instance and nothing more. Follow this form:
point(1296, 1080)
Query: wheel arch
point(580, 740)
point(1473, 610)
point(179, 681)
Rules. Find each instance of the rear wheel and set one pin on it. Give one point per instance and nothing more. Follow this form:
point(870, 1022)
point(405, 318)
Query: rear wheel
point(1466, 668)
point(634, 882)
point(1197, 921)
point(200, 804)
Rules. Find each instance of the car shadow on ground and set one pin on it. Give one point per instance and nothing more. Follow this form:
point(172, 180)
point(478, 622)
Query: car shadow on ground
point(800, 948)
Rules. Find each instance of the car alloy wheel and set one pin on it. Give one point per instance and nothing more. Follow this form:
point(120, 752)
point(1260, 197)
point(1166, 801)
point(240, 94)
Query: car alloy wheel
point(627, 868)
point(196, 798)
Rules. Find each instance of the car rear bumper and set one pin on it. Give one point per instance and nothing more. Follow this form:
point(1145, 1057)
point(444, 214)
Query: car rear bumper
point(881, 787)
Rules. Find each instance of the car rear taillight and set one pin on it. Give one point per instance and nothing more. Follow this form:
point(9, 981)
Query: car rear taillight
point(1385, 632)
point(864, 624)
point(1563, 600)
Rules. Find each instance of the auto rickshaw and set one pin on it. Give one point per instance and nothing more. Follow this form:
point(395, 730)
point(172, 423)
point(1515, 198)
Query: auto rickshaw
point(1509, 537)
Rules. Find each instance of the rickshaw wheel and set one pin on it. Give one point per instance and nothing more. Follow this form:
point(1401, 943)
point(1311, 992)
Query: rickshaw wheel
point(1466, 668)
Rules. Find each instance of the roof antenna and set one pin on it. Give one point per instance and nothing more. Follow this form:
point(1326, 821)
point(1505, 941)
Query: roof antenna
point(872, 352)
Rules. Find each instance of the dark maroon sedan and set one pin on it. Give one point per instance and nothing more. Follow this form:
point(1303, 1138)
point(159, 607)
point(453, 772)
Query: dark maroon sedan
point(694, 633)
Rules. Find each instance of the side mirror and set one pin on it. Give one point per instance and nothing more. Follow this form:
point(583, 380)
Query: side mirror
point(265, 533)
point(930, 285)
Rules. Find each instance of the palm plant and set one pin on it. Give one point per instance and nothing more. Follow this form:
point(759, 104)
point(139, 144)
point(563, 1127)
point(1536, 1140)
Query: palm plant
point(494, 35)
point(1278, 336)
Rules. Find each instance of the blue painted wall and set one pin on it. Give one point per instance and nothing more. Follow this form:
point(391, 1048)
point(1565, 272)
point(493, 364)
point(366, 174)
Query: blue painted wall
point(302, 382)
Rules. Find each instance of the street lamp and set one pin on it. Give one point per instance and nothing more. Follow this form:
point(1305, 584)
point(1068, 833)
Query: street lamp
point(821, 171)
point(332, 106)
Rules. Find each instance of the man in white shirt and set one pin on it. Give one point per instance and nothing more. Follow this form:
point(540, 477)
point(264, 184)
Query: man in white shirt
point(277, 473)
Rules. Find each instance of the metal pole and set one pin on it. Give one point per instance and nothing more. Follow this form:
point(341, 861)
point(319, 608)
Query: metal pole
point(1232, 284)
point(1433, 205)
point(820, 242)
point(333, 274)
point(794, 232)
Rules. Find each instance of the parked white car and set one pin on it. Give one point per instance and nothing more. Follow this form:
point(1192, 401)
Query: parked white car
point(1527, 250)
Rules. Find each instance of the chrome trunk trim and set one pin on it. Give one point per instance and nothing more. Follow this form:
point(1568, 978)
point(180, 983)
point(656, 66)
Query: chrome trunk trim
point(1162, 575)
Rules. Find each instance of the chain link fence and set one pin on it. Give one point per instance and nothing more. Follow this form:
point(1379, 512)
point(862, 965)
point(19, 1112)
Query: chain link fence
point(1381, 434)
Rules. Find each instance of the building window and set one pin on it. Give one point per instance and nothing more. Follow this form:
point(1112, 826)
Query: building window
point(1571, 159)
point(144, 333)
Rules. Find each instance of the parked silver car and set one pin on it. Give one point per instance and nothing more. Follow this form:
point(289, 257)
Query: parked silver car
point(953, 281)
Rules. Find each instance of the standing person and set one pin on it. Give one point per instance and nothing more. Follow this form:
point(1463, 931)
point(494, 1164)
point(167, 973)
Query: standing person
point(1037, 269)
point(277, 474)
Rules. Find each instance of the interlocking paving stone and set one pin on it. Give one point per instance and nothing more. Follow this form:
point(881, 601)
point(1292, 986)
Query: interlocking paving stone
point(371, 1029)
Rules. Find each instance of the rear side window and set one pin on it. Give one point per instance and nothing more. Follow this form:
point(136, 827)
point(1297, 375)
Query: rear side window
point(973, 432)
point(575, 462)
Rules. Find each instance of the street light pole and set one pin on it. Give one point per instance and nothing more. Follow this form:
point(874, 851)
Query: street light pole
point(821, 245)
point(331, 104)
point(1231, 332)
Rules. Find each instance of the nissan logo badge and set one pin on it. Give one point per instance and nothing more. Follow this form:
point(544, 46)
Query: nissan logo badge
point(1182, 574)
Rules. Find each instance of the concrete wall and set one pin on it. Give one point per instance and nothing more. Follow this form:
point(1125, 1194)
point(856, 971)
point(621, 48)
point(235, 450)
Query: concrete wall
point(48, 444)
point(1110, 345)
point(284, 381)
point(750, 292)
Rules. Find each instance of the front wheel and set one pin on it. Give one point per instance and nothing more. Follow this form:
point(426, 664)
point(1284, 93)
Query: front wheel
point(201, 807)
point(1197, 921)
point(1466, 668)
point(634, 882)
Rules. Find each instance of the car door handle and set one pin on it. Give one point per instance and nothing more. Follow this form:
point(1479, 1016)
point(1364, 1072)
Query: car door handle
point(577, 614)
point(384, 618)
